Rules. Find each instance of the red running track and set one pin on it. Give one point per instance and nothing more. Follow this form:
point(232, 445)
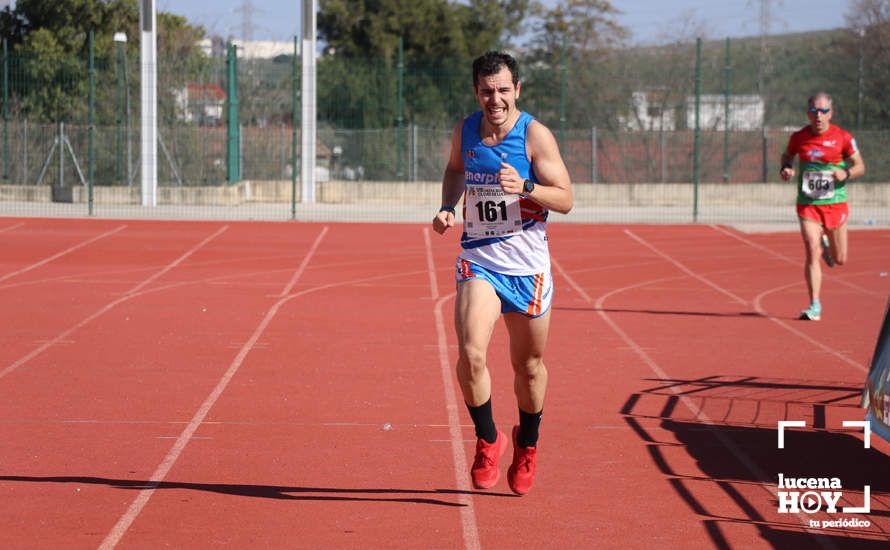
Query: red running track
point(289, 385)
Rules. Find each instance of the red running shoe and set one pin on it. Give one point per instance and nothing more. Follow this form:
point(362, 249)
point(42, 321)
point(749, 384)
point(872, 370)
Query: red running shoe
point(521, 474)
point(485, 471)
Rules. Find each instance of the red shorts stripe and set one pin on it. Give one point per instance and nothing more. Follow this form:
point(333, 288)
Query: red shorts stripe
point(534, 306)
point(466, 271)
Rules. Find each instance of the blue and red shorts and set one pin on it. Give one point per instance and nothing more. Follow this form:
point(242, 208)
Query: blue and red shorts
point(530, 295)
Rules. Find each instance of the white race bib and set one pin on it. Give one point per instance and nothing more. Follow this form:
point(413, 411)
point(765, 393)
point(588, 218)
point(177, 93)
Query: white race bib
point(818, 184)
point(490, 212)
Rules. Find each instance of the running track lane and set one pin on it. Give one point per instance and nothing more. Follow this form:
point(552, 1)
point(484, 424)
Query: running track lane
point(252, 471)
point(683, 337)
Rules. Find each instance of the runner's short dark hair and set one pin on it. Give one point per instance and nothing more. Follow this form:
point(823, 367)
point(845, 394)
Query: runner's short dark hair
point(491, 63)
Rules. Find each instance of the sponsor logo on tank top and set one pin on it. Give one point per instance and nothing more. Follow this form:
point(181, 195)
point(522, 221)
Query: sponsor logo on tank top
point(480, 177)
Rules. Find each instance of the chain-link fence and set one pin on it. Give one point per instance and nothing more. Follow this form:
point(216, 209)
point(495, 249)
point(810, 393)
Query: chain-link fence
point(229, 131)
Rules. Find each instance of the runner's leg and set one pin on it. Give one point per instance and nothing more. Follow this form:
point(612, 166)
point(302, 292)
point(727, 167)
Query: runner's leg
point(811, 232)
point(837, 238)
point(476, 311)
point(528, 338)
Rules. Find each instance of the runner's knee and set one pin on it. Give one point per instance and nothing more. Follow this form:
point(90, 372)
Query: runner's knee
point(813, 249)
point(472, 360)
point(813, 256)
point(530, 368)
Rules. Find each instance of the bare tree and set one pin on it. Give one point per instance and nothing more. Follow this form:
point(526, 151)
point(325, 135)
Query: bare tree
point(869, 45)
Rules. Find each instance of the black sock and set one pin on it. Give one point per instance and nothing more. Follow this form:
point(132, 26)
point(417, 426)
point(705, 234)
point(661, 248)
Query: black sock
point(484, 421)
point(528, 428)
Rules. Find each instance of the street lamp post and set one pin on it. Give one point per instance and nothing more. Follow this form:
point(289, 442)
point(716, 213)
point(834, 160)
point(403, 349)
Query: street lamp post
point(860, 79)
point(120, 39)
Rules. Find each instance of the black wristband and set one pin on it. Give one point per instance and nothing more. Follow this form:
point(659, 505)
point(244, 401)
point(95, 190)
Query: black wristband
point(445, 208)
point(847, 170)
point(786, 165)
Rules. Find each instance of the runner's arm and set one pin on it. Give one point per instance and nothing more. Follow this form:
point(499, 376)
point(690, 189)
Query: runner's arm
point(554, 189)
point(452, 183)
point(787, 169)
point(855, 168)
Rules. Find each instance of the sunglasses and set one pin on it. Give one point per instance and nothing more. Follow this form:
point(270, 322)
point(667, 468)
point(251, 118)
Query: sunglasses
point(824, 110)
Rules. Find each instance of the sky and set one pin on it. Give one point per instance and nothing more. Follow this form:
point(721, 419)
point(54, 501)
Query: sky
point(649, 21)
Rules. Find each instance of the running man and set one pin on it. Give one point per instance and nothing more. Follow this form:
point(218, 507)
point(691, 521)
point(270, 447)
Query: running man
point(829, 159)
point(508, 168)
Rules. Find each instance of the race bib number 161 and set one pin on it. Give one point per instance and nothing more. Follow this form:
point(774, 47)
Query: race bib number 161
point(490, 212)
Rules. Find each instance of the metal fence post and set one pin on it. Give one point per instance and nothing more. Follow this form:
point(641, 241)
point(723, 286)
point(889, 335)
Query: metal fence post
point(400, 121)
point(593, 154)
point(118, 108)
point(295, 87)
point(414, 138)
point(91, 123)
point(5, 111)
point(727, 71)
point(765, 153)
point(697, 140)
point(664, 155)
point(61, 155)
point(233, 154)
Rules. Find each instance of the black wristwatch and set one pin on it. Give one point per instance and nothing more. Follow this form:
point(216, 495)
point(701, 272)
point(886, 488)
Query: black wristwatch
point(528, 186)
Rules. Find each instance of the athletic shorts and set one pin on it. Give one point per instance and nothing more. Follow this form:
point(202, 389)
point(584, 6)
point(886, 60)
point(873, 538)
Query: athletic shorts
point(530, 295)
point(830, 216)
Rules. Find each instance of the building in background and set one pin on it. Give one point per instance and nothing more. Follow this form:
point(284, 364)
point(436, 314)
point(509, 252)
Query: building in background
point(247, 49)
point(650, 111)
point(201, 103)
point(745, 112)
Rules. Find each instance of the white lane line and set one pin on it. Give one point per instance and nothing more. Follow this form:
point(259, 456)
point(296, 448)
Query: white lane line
point(697, 412)
point(177, 261)
point(127, 295)
point(756, 304)
point(685, 269)
point(62, 253)
point(271, 313)
point(135, 508)
point(11, 227)
point(825, 275)
point(431, 266)
point(299, 272)
point(468, 511)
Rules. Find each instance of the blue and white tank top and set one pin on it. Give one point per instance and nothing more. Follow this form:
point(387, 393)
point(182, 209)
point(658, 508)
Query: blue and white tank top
point(503, 233)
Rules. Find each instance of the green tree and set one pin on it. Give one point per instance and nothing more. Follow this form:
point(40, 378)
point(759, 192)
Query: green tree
point(429, 28)
point(439, 40)
point(585, 25)
point(180, 60)
point(867, 47)
point(583, 34)
point(49, 40)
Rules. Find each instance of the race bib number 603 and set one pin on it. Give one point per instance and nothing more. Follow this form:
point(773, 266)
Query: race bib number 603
point(818, 184)
point(490, 212)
